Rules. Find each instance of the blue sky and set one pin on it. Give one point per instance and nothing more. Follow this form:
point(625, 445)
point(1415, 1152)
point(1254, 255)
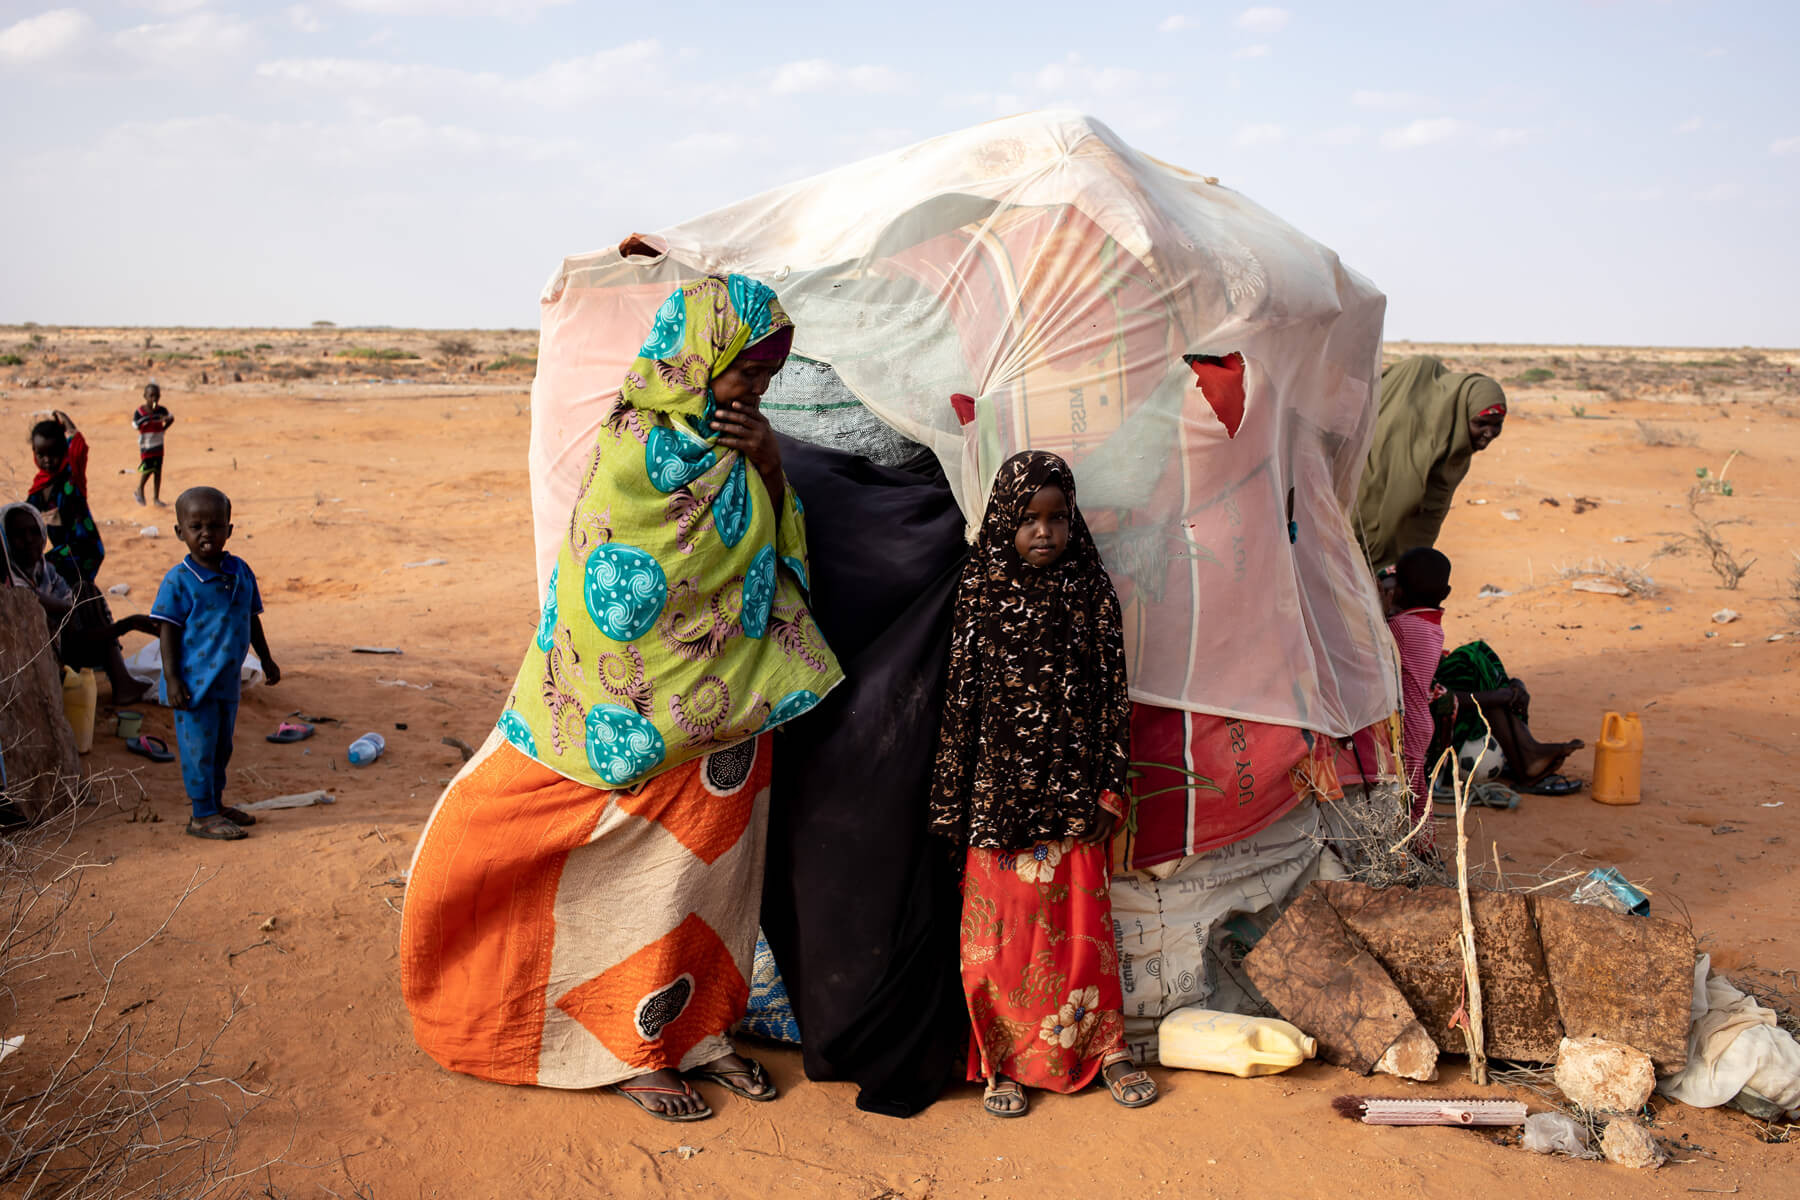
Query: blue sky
point(1624, 171)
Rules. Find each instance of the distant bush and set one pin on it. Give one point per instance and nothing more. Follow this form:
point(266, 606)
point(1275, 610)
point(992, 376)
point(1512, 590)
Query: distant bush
point(231, 354)
point(512, 361)
point(262, 346)
point(377, 355)
point(456, 347)
point(11, 360)
point(174, 356)
point(1534, 375)
point(324, 324)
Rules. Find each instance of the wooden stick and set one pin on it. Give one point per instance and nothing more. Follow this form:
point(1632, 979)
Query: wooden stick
point(1472, 1027)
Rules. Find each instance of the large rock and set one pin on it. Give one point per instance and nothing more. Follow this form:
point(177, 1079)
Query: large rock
point(1625, 979)
point(35, 738)
point(1414, 935)
point(1631, 1145)
point(1604, 1076)
point(1317, 977)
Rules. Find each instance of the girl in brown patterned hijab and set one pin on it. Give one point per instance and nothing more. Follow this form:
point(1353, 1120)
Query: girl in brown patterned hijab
point(1030, 777)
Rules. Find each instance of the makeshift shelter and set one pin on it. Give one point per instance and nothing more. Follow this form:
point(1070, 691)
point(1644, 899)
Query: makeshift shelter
point(1208, 370)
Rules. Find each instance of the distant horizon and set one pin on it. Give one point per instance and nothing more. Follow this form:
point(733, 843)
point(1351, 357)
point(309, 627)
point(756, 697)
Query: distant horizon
point(309, 327)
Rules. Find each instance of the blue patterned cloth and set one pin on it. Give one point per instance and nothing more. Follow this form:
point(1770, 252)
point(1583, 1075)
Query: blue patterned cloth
point(770, 1013)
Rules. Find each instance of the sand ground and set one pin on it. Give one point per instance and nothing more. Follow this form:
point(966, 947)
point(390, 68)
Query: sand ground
point(344, 470)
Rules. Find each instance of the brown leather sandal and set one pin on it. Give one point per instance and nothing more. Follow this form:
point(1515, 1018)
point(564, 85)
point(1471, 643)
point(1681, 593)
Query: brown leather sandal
point(1004, 1089)
point(1130, 1079)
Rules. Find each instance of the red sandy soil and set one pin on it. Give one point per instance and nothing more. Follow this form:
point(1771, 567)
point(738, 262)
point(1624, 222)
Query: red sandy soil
point(338, 484)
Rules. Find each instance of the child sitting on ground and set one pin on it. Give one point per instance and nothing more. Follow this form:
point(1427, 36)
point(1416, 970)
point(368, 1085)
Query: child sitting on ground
point(1028, 785)
point(1414, 594)
point(210, 610)
point(152, 421)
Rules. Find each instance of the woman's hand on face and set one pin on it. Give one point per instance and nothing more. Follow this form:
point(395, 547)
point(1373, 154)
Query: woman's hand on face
point(748, 432)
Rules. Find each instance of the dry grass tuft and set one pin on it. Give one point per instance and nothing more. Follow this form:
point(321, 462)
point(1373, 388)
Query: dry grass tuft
point(1651, 434)
point(1631, 578)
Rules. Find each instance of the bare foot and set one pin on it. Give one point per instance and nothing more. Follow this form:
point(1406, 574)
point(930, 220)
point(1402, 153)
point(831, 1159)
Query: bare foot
point(1549, 758)
point(674, 1097)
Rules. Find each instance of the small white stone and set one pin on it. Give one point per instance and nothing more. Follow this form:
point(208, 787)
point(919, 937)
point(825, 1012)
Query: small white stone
point(1603, 1076)
point(1631, 1145)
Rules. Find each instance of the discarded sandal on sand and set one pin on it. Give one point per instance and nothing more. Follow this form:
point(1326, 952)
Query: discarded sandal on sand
point(237, 816)
point(217, 827)
point(753, 1074)
point(291, 731)
point(152, 748)
point(1552, 785)
point(632, 1092)
point(1001, 1090)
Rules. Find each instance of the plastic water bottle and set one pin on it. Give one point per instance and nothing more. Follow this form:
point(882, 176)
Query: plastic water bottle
point(366, 749)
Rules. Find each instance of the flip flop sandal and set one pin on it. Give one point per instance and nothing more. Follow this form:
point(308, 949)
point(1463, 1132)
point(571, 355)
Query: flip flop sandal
point(1004, 1090)
point(152, 748)
point(291, 731)
point(754, 1073)
point(237, 816)
point(216, 828)
point(1131, 1079)
point(1493, 795)
point(1552, 785)
point(632, 1093)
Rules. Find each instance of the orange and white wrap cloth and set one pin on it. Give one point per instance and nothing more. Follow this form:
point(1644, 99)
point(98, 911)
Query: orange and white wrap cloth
point(569, 936)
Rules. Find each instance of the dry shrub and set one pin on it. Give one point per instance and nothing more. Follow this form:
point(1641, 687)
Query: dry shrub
point(1706, 537)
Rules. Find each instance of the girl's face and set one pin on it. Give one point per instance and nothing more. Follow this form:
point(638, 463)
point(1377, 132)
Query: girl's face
point(1044, 529)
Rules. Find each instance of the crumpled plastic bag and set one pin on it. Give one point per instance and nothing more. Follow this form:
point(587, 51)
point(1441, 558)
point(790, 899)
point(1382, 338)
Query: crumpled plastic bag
point(146, 666)
point(1557, 1133)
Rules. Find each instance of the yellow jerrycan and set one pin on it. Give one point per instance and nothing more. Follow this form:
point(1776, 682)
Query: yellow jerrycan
point(81, 695)
point(1619, 759)
point(1202, 1039)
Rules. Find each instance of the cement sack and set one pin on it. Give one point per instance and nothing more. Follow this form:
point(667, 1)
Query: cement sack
point(1169, 921)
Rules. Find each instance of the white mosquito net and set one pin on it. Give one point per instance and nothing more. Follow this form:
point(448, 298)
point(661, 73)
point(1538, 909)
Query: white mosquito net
point(1043, 267)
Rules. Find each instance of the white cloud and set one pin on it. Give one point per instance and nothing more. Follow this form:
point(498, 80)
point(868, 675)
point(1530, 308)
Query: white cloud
point(1389, 101)
point(169, 8)
point(203, 38)
point(1421, 133)
point(451, 8)
point(1176, 24)
point(1691, 125)
point(290, 146)
point(1786, 145)
point(1509, 137)
point(1074, 75)
point(45, 36)
point(564, 84)
point(1721, 193)
point(822, 75)
point(303, 18)
point(1716, 52)
point(1264, 20)
point(1260, 50)
point(1259, 135)
point(1343, 135)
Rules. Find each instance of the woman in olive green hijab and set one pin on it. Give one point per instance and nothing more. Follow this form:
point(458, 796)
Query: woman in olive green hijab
point(1432, 420)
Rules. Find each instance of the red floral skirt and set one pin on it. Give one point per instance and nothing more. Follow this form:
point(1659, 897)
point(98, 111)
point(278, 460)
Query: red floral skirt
point(1039, 965)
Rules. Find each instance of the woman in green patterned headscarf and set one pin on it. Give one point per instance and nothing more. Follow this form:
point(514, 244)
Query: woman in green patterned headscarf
point(582, 909)
point(1431, 423)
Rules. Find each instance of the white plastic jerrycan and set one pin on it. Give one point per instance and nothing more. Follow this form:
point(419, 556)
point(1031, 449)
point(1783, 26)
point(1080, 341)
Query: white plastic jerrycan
point(1202, 1039)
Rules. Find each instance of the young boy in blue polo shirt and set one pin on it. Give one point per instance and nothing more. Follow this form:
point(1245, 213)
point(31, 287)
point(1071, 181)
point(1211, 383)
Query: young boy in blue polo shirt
point(210, 610)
